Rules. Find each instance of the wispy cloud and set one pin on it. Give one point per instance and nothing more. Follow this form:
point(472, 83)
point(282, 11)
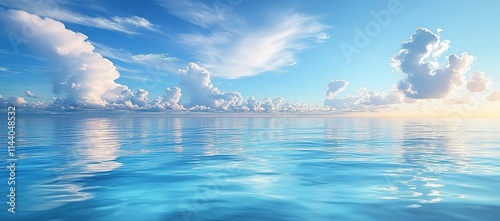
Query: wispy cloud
point(152, 57)
point(153, 65)
point(195, 12)
point(52, 9)
point(256, 49)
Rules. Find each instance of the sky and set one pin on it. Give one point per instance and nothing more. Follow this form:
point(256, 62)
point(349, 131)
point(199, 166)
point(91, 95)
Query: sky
point(254, 56)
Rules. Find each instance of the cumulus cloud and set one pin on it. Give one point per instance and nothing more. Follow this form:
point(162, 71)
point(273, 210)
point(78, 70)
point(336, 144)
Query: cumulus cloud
point(55, 10)
point(170, 100)
point(20, 102)
point(30, 94)
point(478, 82)
point(85, 79)
point(377, 98)
point(255, 49)
point(362, 100)
point(253, 104)
point(335, 87)
point(15, 101)
point(424, 78)
point(197, 83)
point(494, 96)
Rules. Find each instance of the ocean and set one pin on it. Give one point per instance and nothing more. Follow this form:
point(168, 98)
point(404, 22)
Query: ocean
point(141, 166)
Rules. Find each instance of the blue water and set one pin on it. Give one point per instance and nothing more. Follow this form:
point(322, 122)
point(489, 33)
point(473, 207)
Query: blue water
point(143, 167)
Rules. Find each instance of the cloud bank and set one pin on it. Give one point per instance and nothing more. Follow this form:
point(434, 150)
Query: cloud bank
point(88, 80)
point(363, 100)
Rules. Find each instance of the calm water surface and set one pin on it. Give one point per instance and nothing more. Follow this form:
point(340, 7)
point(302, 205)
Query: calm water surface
point(201, 168)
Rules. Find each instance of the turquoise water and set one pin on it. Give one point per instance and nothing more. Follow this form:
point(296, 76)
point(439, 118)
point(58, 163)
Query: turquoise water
point(73, 167)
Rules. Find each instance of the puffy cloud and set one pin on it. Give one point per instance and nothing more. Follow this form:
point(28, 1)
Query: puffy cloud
point(168, 101)
point(30, 94)
point(267, 105)
point(253, 104)
point(140, 97)
point(424, 79)
point(197, 83)
point(335, 87)
point(15, 101)
point(478, 82)
point(494, 96)
point(21, 102)
point(362, 100)
point(377, 98)
point(86, 77)
point(257, 49)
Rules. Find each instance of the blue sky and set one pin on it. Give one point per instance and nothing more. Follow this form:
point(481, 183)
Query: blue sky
point(233, 52)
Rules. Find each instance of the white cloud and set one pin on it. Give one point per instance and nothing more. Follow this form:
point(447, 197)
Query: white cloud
point(197, 83)
point(152, 57)
point(15, 101)
point(494, 96)
point(54, 10)
point(168, 101)
point(256, 49)
point(85, 78)
point(30, 94)
point(335, 87)
point(21, 102)
point(155, 62)
point(195, 12)
point(363, 99)
point(478, 82)
point(376, 98)
point(424, 79)
point(253, 104)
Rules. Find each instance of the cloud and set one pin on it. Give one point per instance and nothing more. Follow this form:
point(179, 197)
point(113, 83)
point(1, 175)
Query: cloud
point(252, 50)
point(54, 10)
point(253, 104)
point(478, 82)
point(335, 87)
point(361, 101)
point(494, 96)
point(15, 101)
point(155, 62)
point(197, 83)
point(195, 12)
point(168, 101)
point(85, 78)
point(424, 79)
point(376, 98)
point(152, 57)
point(30, 94)
point(21, 102)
